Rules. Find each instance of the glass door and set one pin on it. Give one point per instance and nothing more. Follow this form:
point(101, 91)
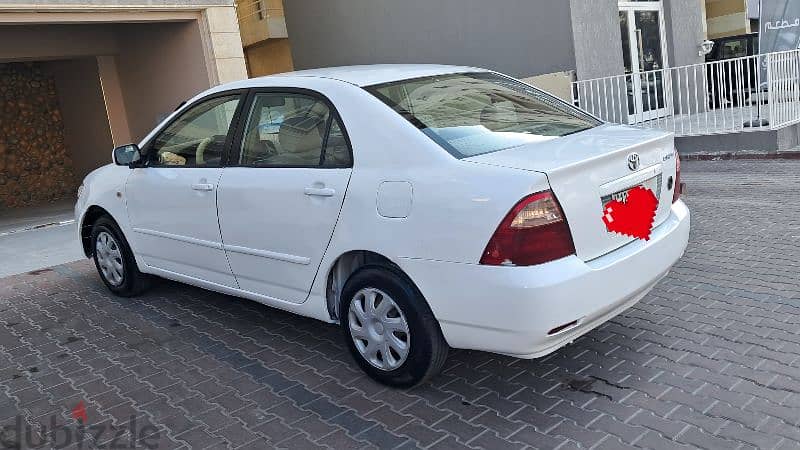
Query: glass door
point(643, 52)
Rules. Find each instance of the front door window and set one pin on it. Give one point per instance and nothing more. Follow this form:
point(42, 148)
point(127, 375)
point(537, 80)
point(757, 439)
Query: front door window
point(197, 138)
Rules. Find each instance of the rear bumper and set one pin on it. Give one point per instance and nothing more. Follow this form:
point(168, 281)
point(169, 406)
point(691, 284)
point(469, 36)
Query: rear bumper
point(510, 310)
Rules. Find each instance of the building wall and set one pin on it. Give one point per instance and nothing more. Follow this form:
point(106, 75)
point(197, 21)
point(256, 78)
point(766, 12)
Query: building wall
point(222, 45)
point(86, 131)
point(58, 41)
point(597, 37)
point(117, 3)
point(155, 83)
point(269, 57)
point(260, 20)
point(727, 18)
point(115, 68)
point(519, 37)
point(685, 31)
point(35, 166)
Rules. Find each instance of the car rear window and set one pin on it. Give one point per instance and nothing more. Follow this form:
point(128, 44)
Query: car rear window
point(471, 114)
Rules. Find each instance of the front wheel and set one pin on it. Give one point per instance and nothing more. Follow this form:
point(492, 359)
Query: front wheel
point(114, 260)
point(390, 329)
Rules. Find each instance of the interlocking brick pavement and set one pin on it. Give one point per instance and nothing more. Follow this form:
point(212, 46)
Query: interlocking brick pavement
point(710, 359)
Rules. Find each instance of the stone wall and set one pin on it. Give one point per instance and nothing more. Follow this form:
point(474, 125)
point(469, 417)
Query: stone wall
point(35, 167)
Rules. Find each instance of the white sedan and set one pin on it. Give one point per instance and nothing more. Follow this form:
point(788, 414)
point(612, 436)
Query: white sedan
point(420, 207)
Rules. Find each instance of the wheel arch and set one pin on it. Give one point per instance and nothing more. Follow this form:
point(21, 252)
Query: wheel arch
point(346, 265)
point(93, 213)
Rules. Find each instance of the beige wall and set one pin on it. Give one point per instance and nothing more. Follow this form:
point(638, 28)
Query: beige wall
point(269, 57)
point(154, 83)
point(726, 18)
point(114, 99)
point(223, 45)
point(260, 20)
point(118, 70)
point(80, 97)
point(43, 42)
point(558, 84)
point(153, 66)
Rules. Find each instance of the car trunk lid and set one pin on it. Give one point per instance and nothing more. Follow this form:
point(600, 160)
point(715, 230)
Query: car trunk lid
point(588, 169)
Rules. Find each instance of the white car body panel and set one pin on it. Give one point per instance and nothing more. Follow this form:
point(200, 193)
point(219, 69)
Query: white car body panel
point(174, 221)
point(431, 214)
point(586, 162)
point(265, 215)
point(103, 187)
point(511, 309)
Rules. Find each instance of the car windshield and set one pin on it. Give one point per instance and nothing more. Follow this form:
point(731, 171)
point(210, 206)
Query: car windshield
point(471, 114)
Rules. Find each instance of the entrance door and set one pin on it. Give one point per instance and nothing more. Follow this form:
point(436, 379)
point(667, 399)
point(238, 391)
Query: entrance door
point(644, 56)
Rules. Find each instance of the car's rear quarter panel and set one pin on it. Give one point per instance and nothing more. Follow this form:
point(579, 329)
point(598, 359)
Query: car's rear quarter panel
point(456, 205)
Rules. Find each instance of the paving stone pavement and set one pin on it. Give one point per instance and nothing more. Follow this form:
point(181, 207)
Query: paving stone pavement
point(710, 359)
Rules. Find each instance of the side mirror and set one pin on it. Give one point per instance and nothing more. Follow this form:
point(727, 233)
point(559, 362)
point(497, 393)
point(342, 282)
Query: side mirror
point(124, 155)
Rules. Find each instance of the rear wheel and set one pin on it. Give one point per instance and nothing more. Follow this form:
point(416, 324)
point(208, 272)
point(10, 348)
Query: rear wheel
point(389, 328)
point(114, 260)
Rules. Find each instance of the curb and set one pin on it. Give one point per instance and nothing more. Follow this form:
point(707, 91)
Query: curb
point(724, 156)
point(38, 227)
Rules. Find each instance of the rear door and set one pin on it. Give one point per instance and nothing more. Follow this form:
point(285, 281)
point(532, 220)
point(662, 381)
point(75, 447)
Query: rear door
point(587, 169)
point(279, 199)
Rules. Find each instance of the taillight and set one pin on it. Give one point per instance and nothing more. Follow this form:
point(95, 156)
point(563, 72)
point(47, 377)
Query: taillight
point(533, 232)
point(676, 194)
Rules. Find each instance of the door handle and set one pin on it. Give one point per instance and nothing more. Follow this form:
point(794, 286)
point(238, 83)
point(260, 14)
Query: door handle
point(203, 187)
point(320, 192)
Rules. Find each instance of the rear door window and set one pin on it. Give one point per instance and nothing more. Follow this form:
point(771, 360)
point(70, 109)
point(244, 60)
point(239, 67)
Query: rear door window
point(293, 130)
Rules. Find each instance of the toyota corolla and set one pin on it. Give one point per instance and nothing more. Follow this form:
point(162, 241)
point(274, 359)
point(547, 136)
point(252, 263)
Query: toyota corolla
point(420, 207)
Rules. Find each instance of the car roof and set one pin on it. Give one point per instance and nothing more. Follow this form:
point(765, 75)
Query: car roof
point(368, 75)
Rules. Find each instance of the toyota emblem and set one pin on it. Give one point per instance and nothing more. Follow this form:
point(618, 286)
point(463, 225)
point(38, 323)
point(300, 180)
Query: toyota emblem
point(633, 162)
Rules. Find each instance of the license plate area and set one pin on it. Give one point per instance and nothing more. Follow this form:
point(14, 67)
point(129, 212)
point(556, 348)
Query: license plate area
point(654, 184)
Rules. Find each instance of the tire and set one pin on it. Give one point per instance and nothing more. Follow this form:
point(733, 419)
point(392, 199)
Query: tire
point(426, 349)
point(114, 260)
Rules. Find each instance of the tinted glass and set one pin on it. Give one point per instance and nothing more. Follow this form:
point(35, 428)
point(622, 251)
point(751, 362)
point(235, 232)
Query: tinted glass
point(197, 138)
point(290, 130)
point(337, 152)
point(734, 48)
point(475, 113)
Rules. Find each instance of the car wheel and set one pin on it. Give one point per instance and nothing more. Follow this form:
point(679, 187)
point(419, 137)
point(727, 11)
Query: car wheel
point(114, 260)
point(390, 329)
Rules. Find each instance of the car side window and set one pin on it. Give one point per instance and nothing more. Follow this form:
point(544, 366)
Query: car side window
point(292, 130)
point(337, 152)
point(197, 137)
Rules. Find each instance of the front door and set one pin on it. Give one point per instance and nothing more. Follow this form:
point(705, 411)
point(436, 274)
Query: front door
point(279, 205)
point(172, 200)
point(643, 52)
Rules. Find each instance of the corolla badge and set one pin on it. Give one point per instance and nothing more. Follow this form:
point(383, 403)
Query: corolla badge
point(633, 162)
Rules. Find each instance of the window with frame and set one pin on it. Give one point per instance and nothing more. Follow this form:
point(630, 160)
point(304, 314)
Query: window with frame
point(293, 130)
point(197, 137)
point(734, 49)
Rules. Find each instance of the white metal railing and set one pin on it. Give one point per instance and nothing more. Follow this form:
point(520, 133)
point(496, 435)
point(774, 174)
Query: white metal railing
point(783, 70)
point(730, 96)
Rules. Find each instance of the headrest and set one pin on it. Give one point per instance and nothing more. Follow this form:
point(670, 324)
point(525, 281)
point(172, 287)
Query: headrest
point(301, 134)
